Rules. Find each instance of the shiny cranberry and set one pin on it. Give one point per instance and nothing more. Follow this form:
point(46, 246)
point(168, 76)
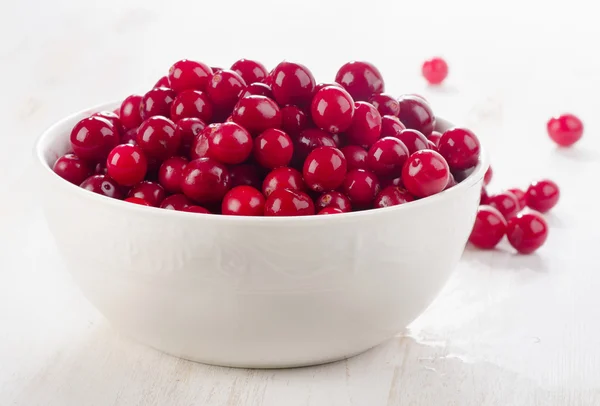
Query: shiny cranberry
point(392, 196)
point(542, 195)
point(565, 130)
point(127, 164)
point(283, 178)
point(308, 140)
point(157, 102)
point(251, 71)
point(130, 137)
point(157, 138)
point(324, 169)
point(361, 186)
point(205, 180)
point(333, 199)
point(292, 84)
point(170, 174)
point(192, 103)
point(460, 147)
point(415, 113)
point(257, 89)
point(176, 202)
point(425, 173)
point(243, 201)
point(489, 228)
point(273, 148)
point(435, 137)
point(387, 156)
point(293, 120)
point(103, 185)
point(150, 192)
point(229, 143)
point(199, 148)
point(245, 174)
point(320, 86)
point(287, 202)
point(72, 168)
point(366, 125)
point(361, 79)
point(189, 75)
point(485, 197)
point(506, 203)
point(137, 200)
point(487, 178)
point(93, 138)
point(435, 70)
point(224, 89)
point(162, 82)
point(527, 232)
point(196, 209)
point(385, 104)
point(129, 112)
point(391, 126)
point(113, 118)
point(520, 195)
point(391, 181)
point(356, 157)
point(257, 114)
point(332, 109)
point(330, 210)
point(414, 140)
point(187, 129)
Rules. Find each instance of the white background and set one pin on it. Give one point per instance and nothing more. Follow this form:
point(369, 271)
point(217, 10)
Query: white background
point(507, 330)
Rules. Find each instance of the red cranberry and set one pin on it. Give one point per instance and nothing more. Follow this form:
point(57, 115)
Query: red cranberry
point(157, 102)
point(413, 139)
point(542, 195)
point(251, 71)
point(170, 174)
point(330, 210)
point(243, 201)
point(229, 143)
point(392, 196)
point(137, 200)
point(71, 168)
point(162, 82)
point(187, 129)
point(189, 75)
point(324, 169)
point(273, 148)
point(485, 197)
point(387, 156)
point(320, 86)
point(391, 181)
point(527, 232)
point(460, 147)
point(113, 118)
point(292, 84)
point(435, 70)
point(356, 157)
point(196, 209)
point(224, 89)
point(435, 137)
point(333, 199)
point(415, 113)
point(192, 103)
point(205, 180)
point(176, 202)
point(361, 79)
point(506, 203)
point(150, 192)
point(257, 89)
point(257, 114)
point(127, 164)
point(361, 187)
point(520, 195)
point(100, 168)
point(425, 173)
point(130, 137)
point(199, 148)
point(366, 125)
point(308, 140)
point(287, 202)
point(332, 109)
point(565, 130)
point(93, 138)
point(451, 181)
point(487, 178)
point(339, 139)
point(489, 228)
point(245, 174)
point(385, 104)
point(283, 178)
point(103, 185)
point(391, 126)
point(432, 146)
point(157, 138)
point(293, 120)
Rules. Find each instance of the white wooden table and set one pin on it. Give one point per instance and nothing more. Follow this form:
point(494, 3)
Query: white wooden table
point(507, 329)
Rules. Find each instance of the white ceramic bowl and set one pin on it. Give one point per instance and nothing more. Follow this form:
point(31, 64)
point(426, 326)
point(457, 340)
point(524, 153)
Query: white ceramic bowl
point(255, 291)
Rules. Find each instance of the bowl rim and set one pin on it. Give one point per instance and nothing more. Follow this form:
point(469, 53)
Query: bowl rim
point(44, 140)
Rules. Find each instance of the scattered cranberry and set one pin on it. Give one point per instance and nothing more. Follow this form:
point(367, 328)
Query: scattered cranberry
point(387, 156)
point(170, 174)
point(527, 232)
point(113, 118)
point(385, 104)
point(257, 114)
point(361, 79)
point(330, 210)
point(489, 228)
point(292, 84)
point(435, 70)
point(127, 164)
point(162, 82)
point(392, 196)
point(460, 147)
point(366, 125)
point(487, 178)
point(361, 186)
point(103, 185)
point(251, 71)
point(245, 174)
point(356, 157)
point(199, 148)
point(229, 143)
point(189, 75)
point(224, 89)
point(391, 126)
point(425, 173)
point(324, 169)
point(157, 138)
point(273, 148)
point(192, 103)
point(565, 130)
point(187, 129)
point(137, 200)
point(333, 199)
point(287, 202)
point(520, 195)
point(506, 203)
point(157, 102)
point(542, 195)
point(332, 109)
point(93, 138)
point(72, 168)
point(176, 202)
point(205, 180)
point(293, 120)
point(258, 89)
point(414, 140)
point(196, 209)
point(243, 201)
point(415, 113)
point(150, 192)
point(308, 140)
point(283, 178)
